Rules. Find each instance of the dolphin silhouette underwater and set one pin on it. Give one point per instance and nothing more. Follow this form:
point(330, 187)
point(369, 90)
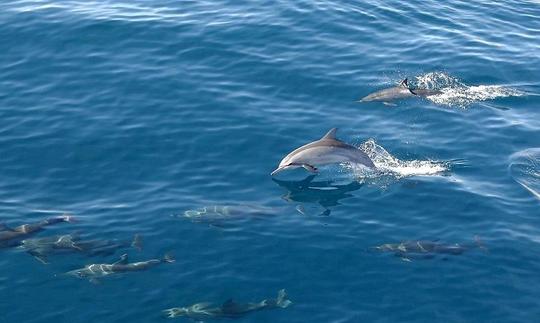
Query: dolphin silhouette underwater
point(325, 151)
point(217, 213)
point(41, 248)
point(12, 237)
point(95, 271)
point(426, 249)
point(229, 309)
point(402, 91)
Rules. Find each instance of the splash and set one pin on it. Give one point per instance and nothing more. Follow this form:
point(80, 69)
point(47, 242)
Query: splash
point(454, 93)
point(525, 169)
point(388, 165)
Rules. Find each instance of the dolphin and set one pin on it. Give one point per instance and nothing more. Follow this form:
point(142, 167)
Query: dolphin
point(401, 91)
point(327, 150)
point(221, 216)
point(95, 271)
point(41, 248)
point(229, 309)
point(216, 213)
point(11, 237)
point(426, 248)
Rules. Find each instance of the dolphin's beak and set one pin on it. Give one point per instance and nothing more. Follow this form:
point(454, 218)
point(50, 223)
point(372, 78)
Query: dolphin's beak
point(277, 170)
point(367, 98)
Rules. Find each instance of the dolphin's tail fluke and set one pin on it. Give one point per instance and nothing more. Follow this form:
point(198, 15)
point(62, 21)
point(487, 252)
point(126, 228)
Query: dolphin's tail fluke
point(174, 312)
point(137, 242)
point(168, 258)
point(282, 300)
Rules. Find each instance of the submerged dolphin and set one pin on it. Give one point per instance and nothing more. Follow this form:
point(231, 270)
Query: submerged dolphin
point(327, 150)
point(229, 309)
point(94, 271)
point(217, 213)
point(398, 92)
point(41, 248)
point(11, 237)
point(426, 249)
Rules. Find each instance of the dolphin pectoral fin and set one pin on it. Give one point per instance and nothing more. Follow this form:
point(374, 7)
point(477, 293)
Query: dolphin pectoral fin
point(310, 168)
point(326, 212)
point(300, 209)
point(406, 259)
point(39, 257)
point(389, 104)
point(94, 281)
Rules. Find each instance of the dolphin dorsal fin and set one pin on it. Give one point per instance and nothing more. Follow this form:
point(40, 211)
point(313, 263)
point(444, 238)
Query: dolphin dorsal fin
point(229, 306)
point(331, 134)
point(4, 227)
point(404, 83)
point(123, 260)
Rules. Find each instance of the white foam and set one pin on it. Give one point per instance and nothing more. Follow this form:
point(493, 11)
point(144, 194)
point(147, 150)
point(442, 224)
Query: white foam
point(454, 93)
point(466, 95)
point(525, 169)
point(388, 165)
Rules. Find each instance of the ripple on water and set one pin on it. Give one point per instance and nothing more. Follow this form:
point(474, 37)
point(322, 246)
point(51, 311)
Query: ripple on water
point(525, 170)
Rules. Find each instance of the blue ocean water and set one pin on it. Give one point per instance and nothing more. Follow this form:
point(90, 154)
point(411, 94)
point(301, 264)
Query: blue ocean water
point(127, 114)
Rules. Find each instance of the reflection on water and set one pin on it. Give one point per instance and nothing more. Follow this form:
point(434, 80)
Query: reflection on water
point(525, 169)
point(325, 194)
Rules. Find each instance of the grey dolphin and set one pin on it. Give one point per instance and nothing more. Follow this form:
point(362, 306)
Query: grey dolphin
point(216, 213)
point(41, 248)
point(426, 249)
point(398, 92)
point(222, 216)
point(229, 309)
point(327, 150)
point(11, 237)
point(95, 271)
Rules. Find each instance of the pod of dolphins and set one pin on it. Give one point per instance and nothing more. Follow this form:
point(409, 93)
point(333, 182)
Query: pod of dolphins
point(325, 151)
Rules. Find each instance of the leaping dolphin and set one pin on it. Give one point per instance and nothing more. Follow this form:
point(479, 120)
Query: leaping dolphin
point(327, 150)
point(401, 91)
point(94, 271)
point(229, 309)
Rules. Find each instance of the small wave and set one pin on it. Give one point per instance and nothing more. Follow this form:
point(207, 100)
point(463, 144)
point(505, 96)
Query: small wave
point(388, 165)
point(454, 93)
point(133, 11)
point(525, 169)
